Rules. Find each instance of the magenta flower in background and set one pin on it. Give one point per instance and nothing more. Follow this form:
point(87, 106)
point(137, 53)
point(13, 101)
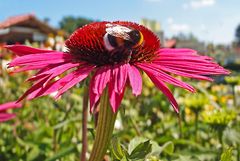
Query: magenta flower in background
point(4, 116)
point(115, 53)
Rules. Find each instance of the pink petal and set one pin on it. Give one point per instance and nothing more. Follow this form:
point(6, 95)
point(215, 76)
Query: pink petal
point(188, 61)
point(6, 116)
point(38, 85)
point(10, 105)
point(198, 68)
point(78, 76)
point(154, 70)
point(21, 50)
point(119, 74)
point(55, 86)
point(176, 52)
point(135, 80)
point(29, 67)
point(41, 59)
point(93, 98)
point(116, 86)
point(51, 87)
point(55, 71)
point(98, 83)
point(185, 74)
point(114, 97)
point(159, 84)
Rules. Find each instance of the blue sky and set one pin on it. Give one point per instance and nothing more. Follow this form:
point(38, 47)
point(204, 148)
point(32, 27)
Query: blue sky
point(210, 20)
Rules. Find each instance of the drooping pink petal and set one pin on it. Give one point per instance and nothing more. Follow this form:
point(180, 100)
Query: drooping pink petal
point(94, 98)
point(21, 50)
point(38, 85)
point(151, 69)
point(98, 83)
point(176, 52)
point(135, 80)
point(55, 71)
point(114, 97)
point(6, 116)
point(43, 91)
point(184, 74)
point(159, 84)
point(197, 68)
point(189, 62)
point(116, 85)
point(29, 67)
point(78, 76)
point(42, 87)
point(51, 87)
point(41, 59)
point(119, 74)
point(9, 105)
point(61, 84)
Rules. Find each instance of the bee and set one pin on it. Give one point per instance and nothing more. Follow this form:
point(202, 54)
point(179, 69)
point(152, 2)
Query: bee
point(118, 36)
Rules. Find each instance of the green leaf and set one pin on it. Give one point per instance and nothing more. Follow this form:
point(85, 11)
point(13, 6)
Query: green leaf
point(117, 149)
point(184, 158)
point(124, 159)
point(141, 151)
point(63, 153)
point(168, 148)
point(227, 155)
point(134, 143)
point(92, 131)
point(156, 149)
point(33, 154)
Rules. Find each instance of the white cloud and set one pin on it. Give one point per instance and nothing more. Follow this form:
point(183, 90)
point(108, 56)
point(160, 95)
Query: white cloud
point(203, 28)
point(195, 4)
point(170, 20)
point(176, 28)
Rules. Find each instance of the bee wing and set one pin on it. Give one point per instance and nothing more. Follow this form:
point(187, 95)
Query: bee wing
point(118, 31)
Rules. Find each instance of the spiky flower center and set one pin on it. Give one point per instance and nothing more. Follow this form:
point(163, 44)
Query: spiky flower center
point(105, 43)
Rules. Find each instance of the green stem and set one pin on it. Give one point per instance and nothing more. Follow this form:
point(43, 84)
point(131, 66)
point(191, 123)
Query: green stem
point(238, 152)
point(220, 134)
point(55, 140)
point(220, 138)
point(180, 125)
point(196, 125)
point(84, 124)
point(135, 127)
point(234, 96)
point(105, 125)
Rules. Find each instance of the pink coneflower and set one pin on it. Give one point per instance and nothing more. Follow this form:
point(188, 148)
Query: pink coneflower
point(115, 53)
point(4, 116)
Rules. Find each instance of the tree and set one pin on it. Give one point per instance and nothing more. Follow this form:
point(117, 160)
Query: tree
point(237, 34)
point(70, 23)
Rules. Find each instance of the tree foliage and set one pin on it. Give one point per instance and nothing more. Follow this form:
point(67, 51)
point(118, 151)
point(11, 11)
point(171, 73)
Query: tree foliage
point(237, 34)
point(70, 23)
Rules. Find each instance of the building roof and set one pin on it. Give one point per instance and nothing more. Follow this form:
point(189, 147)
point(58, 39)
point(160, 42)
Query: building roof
point(170, 43)
point(27, 20)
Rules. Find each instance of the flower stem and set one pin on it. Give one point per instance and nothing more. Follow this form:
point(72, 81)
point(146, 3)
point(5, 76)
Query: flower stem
point(105, 125)
point(196, 125)
point(238, 152)
point(84, 124)
point(220, 138)
point(180, 125)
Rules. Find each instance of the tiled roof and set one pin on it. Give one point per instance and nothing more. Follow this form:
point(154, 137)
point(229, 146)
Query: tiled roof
point(29, 19)
point(170, 43)
point(15, 20)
